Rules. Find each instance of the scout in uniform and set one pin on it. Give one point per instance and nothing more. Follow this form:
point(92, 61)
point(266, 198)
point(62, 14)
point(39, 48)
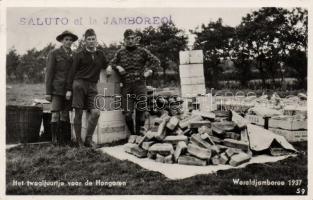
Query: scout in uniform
point(58, 65)
point(82, 85)
point(134, 65)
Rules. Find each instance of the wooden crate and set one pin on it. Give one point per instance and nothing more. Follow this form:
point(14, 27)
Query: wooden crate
point(255, 119)
point(191, 57)
point(288, 124)
point(191, 70)
point(291, 136)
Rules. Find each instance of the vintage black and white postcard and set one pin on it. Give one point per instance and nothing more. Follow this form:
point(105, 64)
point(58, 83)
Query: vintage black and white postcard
point(155, 98)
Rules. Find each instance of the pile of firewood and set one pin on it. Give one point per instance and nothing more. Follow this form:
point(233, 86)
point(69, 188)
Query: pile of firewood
point(196, 138)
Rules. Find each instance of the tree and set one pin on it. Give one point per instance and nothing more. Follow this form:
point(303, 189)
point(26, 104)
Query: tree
point(268, 35)
point(215, 41)
point(165, 42)
point(12, 62)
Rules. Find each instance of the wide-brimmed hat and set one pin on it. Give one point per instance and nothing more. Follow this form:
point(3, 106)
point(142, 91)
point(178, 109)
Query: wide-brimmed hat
point(66, 33)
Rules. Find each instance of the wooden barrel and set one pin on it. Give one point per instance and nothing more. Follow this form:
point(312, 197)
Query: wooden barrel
point(22, 124)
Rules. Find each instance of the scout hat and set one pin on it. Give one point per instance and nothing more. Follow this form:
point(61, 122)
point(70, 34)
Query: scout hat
point(66, 33)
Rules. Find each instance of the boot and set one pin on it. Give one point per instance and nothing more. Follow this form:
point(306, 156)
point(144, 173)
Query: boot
point(65, 132)
point(90, 143)
point(92, 123)
point(54, 132)
point(130, 124)
point(79, 141)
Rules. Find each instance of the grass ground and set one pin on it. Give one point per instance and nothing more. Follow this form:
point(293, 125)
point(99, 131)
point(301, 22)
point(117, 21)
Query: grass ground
point(46, 162)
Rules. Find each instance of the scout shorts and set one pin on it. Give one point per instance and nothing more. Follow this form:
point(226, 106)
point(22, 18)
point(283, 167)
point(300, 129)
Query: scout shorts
point(84, 93)
point(59, 103)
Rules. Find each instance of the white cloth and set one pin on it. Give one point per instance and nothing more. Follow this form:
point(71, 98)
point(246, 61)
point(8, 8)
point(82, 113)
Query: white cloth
point(177, 171)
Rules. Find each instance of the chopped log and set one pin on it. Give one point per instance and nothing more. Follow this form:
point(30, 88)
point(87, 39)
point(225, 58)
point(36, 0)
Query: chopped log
point(239, 159)
point(172, 123)
point(223, 159)
point(181, 147)
point(135, 150)
point(175, 138)
point(168, 159)
point(162, 148)
point(132, 138)
point(199, 152)
point(198, 124)
point(159, 158)
point(231, 151)
point(236, 144)
point(191, 160)
point(195, 138)
point(215, 160)
point(147, 145)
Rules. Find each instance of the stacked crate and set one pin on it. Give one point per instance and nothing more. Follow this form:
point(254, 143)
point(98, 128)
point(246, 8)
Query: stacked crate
point(191, 73)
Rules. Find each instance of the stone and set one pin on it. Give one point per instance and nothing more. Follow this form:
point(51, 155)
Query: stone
point(199, 152)
point(175, 138)
point(191, 160)
point(239, 159)
point(236, 144)
point(181, 148)
point(196, 139)
point(162, 148)
point(135, 150)
point(172, 123)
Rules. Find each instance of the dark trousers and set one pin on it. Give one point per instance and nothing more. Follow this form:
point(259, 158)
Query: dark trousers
point(134, 98)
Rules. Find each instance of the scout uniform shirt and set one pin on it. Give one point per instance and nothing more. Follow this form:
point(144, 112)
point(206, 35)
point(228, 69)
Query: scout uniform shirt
point(86, 66)
point(135, 61)
point(58, 65)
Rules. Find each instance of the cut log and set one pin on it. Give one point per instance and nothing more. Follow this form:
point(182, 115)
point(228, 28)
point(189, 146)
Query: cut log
point(175, 138)
point(140, 140)
point(196, 139)
point(168, 159)
point(172, 123)
point(135, 150)
point(147, 145)
point(215, 160)
point(181, 148)
point(203, 114)
point(191, 160)
point(199, 152)
point(279, 151)
point(178, 131)
point(162, 148)
point(159, 158)
point(183, 124)
point(198, 124)
point(231, 151)
point(204, 129)
point(132, 138)
point(223, 159)
point(239, 159)
point(236, 144)
point(232, 135)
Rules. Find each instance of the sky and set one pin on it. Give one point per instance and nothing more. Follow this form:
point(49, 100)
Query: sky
point(27, 28)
